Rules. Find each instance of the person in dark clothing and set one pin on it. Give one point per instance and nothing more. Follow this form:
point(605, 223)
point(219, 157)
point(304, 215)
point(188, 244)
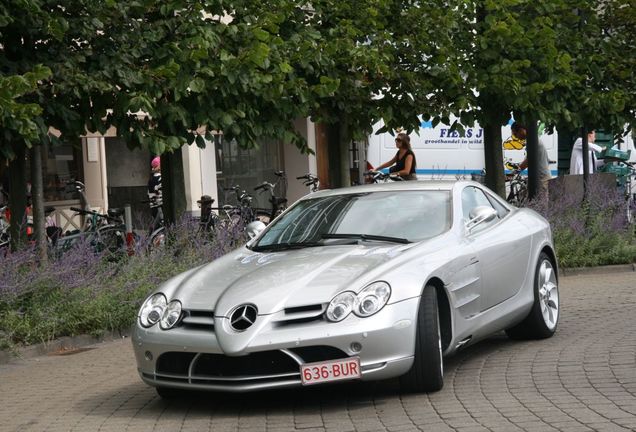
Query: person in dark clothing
point(403, 163)
point(154, 187)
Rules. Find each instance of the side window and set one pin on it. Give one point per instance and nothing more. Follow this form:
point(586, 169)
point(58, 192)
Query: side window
point(471, 198)
point(502, 210)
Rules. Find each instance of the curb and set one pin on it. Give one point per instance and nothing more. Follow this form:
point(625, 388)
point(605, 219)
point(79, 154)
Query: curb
point(63, 346)
point(608, 269)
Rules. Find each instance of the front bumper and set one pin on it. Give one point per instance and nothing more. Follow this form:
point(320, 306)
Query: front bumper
point(189, 358)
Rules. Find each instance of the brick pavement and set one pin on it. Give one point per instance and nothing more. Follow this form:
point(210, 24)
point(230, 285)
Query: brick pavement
point(582, 379)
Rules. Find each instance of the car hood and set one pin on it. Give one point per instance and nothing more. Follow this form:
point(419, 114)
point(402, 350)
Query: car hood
point(273, 281)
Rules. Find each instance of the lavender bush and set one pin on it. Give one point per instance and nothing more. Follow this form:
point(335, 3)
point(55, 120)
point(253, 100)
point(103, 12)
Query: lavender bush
point(592, 232)
point(85, 291)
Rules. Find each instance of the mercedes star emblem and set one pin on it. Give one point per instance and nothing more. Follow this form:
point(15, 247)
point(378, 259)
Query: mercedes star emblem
point(243, 317)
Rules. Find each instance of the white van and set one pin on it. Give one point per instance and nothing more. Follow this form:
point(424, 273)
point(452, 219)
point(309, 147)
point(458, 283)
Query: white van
point(442, 153)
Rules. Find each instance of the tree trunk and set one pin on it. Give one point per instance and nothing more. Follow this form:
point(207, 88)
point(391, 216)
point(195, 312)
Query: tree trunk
point(493, 154)
point(585, 150)
point(37, 200)
point(173, 186)
point(344, 143)
point(532, 153)
point(18, 197)
point(335, 173)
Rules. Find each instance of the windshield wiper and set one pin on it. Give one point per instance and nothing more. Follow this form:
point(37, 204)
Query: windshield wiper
point(285, 246)
point(366, 237)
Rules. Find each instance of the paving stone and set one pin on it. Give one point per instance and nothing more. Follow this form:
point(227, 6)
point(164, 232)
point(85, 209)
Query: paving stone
point(582, 379)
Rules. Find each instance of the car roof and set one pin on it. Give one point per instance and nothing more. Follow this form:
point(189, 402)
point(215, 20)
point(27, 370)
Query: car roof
point(444, 185)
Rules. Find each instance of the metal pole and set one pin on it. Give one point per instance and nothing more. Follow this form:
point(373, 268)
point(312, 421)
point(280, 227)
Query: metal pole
point(586, 159)
point(130, 239)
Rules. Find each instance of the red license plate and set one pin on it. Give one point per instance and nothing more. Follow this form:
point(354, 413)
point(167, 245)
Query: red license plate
point(333, 370)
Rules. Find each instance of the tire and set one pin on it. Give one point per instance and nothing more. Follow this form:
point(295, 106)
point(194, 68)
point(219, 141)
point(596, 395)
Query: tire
point(157, 239)
point(427, 372)
point(518, 193)
point(263, 217)
point(109, 241)
point(543, 318)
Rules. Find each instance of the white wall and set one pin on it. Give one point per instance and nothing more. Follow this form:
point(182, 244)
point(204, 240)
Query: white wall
point(94, 164)
point(199, 168)
point(297, 164)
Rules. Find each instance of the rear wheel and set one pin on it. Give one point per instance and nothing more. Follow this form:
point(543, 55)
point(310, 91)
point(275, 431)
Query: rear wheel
point(427, 372)
point(542, 320)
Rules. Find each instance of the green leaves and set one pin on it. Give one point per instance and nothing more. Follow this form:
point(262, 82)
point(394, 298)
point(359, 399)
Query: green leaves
point(17, 118)
point(276, 61)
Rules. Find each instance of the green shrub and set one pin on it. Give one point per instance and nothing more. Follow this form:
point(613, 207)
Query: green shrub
point(589, 233)
point(84, 292)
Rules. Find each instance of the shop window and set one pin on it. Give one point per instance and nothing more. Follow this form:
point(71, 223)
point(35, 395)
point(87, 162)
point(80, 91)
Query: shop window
point(61, 164)
point(247, 168)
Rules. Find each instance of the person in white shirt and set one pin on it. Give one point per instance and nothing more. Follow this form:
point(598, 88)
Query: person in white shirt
point(576, 160)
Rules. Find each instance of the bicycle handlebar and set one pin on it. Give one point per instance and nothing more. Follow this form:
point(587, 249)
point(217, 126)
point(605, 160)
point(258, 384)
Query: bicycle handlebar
point(264, 185)
point(94, 213)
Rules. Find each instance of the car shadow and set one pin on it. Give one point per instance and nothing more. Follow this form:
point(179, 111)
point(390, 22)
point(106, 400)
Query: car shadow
point(309, 400)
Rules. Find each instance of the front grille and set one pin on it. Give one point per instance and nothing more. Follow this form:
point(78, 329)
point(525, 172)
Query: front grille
point(259, 367)
point(174, 363)
point(260, 363)
point(312, 354)
point(301, 315)
point(300, 309)
point(196, 319)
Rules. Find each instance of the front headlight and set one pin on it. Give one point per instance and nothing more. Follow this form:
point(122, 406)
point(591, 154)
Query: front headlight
point(171, 315)
point(372, 298)
point(366, 303)
point(341, 306)
point(152, 310)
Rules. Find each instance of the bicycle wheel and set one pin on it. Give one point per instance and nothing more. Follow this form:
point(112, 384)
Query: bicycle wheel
point(518, 193)
point(110, 240)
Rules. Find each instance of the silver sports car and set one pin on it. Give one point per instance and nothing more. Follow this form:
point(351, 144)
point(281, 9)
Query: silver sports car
point(369, 282)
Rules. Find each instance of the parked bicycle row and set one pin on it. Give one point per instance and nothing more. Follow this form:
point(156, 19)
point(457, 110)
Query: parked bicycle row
point(103, 231)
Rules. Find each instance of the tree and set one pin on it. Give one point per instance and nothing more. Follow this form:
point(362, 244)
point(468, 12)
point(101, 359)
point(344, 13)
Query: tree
point(548, 61)
point(162, 74)
point(355, 64)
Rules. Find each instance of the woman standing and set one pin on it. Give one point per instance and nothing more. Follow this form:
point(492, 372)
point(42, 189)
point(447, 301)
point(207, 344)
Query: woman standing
point(403, 163)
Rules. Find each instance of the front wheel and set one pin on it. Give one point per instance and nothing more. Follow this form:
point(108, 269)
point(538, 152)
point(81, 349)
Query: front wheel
point(427, 372)
point(263, 217)
point(542, 320)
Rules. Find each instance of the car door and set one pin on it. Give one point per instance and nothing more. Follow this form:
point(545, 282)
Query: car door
point(502, 247)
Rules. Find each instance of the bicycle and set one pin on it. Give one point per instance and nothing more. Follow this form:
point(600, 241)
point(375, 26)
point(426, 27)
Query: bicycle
point(311, 181)
point(517, 185)
point(157, 230)
point(278, 203)
point(105, 232)
point(381, 177)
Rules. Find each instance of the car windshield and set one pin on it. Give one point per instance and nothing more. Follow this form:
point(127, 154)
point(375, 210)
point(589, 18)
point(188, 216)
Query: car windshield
point(395, 216)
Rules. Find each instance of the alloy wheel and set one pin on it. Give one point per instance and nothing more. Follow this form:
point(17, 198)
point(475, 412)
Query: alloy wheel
point(548, 294)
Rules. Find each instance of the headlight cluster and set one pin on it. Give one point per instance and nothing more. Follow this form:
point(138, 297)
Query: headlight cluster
point(366, 303)
point(156, 309)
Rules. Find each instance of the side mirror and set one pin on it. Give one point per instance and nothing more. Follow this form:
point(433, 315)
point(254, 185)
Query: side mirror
point(254, 228)
point(480, 215)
